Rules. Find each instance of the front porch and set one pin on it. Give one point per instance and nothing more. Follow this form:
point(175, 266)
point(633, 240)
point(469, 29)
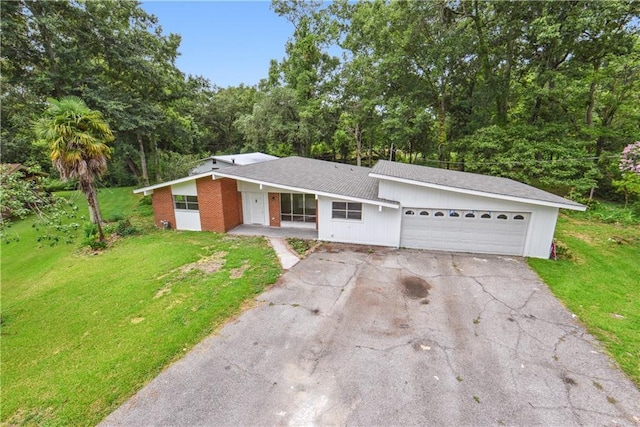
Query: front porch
point(282, 232)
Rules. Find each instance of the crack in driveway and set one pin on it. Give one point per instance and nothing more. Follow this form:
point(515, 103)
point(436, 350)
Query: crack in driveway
point(491, 346)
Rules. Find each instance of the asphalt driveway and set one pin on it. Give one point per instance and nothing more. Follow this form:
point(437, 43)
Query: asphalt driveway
point(357, 336)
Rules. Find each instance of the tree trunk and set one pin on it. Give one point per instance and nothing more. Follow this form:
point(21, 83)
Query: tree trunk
point(143, 160)
point(89, 192)
point(592, 91)
point(442, 137)
point(157, 162)
point(133, 168)
point(358, 136)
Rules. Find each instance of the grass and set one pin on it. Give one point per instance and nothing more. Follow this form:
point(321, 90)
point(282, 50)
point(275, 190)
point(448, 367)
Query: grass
point(598, 281)
point(81, 332)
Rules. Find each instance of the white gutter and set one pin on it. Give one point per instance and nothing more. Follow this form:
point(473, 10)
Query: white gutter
point(149, 190)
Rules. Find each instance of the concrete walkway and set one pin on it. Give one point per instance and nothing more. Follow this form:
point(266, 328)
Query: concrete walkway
point(287, 258)
point(260, 230)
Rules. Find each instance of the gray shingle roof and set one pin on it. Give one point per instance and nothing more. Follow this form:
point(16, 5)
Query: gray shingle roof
point(312, 175)
point(467, 181)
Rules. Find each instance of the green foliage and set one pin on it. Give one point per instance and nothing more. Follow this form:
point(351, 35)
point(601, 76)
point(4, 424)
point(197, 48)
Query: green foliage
point(610, 213)
point(301, 246)
point(22, 195)
point(82, 333)
point(629, 185)
point(551, 158)
point(124, 228)
point(599, 282)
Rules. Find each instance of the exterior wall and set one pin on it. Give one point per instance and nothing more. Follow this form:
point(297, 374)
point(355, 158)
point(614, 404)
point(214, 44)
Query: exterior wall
point(377, 227)
point(206, 166)
point(162, 200)
point(184, 219)
point(232, 204)
point(219, 204)
point(541, 225)
point(274, 209)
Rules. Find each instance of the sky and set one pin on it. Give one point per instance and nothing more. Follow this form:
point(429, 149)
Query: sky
point(227, 42)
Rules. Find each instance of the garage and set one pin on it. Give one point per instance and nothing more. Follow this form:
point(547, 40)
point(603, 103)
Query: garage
point(457, 230)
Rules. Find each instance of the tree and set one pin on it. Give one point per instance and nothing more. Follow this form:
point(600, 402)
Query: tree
point(629, 165)
point(77, 138)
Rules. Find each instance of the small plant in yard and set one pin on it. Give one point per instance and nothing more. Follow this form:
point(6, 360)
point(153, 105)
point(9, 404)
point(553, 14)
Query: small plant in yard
point(301, 246)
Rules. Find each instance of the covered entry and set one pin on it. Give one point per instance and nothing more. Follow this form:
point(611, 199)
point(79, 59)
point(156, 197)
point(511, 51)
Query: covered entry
point(464, 231)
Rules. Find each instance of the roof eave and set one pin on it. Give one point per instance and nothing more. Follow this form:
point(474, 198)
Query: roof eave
point(308, 190)
point(149, 190)
point(575, 207)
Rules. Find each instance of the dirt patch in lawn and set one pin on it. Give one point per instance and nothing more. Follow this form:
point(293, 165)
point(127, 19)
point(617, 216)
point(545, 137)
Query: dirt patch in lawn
point(237, 273)
point(208, 265)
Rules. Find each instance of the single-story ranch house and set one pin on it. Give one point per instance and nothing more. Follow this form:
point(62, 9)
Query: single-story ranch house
point(393, 204)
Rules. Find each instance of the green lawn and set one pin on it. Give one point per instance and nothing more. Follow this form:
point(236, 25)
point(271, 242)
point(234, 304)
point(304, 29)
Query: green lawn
point(81, 332)
point(601, 283)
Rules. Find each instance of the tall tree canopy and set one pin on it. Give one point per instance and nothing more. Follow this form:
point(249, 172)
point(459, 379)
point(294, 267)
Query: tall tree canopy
point(542, 91)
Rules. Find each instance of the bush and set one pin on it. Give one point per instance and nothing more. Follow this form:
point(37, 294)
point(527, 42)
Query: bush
point(613, 213)
point(124, 228)
point(118, 216)
point(55, 185)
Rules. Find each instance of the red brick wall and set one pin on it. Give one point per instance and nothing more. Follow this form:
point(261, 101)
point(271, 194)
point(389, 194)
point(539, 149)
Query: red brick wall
point(232, 204)
point(218, 201)
point(163, 206)
point(274, 209)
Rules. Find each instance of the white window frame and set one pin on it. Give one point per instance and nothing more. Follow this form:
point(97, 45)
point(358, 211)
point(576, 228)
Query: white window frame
point(347, 210)
point(189, 205)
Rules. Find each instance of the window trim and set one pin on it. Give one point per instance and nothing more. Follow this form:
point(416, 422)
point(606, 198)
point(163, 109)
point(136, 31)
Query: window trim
point(306, 217)
point(190, 205)
point(347, 210)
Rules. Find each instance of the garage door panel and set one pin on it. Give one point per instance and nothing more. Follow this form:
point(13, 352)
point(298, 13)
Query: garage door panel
point(465, 231)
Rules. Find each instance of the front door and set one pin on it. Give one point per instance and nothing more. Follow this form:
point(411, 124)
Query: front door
point(257, 208)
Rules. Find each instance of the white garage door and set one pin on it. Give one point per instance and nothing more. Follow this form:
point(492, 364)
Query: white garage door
point(464, 231)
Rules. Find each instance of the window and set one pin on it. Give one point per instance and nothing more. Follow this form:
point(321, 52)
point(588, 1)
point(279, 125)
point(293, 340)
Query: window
point(185, 202)
point(295, 207)
point(518, 217)
point(485, 216)
point(409, 212)
point(424, 213)
point(470, 215)
point(454, 214)
point(502, 216)
point(439, 213)
point(346, 210)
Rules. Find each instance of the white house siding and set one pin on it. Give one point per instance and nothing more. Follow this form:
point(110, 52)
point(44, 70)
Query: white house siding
point(186, 219)
point(377, 227)
point(541, 223)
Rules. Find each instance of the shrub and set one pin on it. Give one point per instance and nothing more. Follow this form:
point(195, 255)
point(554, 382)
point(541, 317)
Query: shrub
point(124, 228)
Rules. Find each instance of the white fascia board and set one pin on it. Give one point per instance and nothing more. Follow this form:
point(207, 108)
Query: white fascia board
point(309, 191)
point(480, 193)
point(149, 190)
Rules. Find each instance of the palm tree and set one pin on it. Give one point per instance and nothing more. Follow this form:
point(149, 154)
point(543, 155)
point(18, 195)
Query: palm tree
point(77, 137)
